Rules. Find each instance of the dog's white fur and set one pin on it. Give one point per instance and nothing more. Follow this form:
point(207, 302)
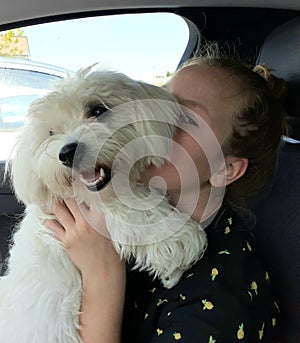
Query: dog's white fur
point(41, 292)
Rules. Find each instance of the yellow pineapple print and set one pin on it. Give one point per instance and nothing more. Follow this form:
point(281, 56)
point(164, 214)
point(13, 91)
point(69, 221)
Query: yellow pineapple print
point(161, 301)
point(249, 246)
point(211, 340)
point(224, 252)
point(214, 273)
point(177, 336)
point(227, 230)
point(277, 306)
point(230, 221)
point(261, 332)
point(240, 333)
point(273, 321)
point(267, 277)
point(207, 305)
point(254, 287)
point(159, 332)
point(182, 297)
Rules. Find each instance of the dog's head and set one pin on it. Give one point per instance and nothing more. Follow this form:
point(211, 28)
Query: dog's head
point(89, 128)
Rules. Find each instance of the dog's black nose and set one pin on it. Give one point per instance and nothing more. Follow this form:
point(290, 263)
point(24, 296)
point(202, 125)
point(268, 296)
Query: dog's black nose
point(67, 153)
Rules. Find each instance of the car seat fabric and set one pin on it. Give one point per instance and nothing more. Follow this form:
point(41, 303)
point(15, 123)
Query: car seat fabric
point(278, 211)
point(281, 53)
point(7, 224)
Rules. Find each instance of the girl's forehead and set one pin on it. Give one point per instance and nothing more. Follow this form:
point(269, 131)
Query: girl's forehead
point(200, 77)
point(210, 86)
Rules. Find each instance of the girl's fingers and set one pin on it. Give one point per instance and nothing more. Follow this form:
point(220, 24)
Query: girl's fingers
point(74, 218)
point(72, 205)
point(58, 231)
point(63, 214)
point(85, 217)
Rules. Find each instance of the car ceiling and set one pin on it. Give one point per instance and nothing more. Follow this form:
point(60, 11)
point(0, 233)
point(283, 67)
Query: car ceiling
point(13, 11)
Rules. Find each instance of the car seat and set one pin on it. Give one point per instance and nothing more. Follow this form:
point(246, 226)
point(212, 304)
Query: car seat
point(10, 214)
point(278, 211)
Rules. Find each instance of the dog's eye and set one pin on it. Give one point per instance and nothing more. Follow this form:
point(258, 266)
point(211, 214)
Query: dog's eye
point(51, 132)
point(96, 111)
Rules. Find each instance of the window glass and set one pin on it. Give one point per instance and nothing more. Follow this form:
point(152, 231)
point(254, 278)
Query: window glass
point(144, 46)
point(25, 78)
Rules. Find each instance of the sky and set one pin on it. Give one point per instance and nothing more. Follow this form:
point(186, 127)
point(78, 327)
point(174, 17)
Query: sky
point(142, 46)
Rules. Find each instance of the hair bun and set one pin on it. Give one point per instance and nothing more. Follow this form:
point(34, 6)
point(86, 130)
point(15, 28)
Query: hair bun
point(276, 85)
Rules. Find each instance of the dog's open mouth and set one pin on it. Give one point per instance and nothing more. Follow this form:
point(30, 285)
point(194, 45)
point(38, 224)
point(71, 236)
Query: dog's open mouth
point(97, 179)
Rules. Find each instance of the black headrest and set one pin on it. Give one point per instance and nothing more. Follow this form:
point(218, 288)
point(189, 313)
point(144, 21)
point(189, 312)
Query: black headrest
point(281, 53)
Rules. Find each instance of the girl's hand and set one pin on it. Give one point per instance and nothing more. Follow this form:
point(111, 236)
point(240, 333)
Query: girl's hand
point(89, 250)
point(103, 274)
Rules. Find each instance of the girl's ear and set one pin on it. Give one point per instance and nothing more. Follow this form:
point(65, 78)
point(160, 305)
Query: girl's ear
point(235, 168)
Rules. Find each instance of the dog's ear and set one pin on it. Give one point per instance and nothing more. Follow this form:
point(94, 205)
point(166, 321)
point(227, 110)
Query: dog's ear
point(26, 183)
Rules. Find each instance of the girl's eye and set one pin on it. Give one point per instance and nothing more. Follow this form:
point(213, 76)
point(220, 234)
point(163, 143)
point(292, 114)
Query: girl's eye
point(96, 111)
point(51, 132)
point(189, 120)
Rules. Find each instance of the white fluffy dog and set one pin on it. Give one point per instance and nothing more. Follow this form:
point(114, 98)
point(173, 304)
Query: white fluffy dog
point(70, 146)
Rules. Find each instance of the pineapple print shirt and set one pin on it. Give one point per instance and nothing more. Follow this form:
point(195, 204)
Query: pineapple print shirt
point(224, 298)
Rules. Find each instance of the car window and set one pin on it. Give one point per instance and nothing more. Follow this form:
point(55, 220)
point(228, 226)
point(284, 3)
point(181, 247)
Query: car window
point(146, 47)
point(18, 88)
point(14, 77)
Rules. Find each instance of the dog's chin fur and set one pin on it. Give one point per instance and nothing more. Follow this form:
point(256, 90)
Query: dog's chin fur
point(41, 292)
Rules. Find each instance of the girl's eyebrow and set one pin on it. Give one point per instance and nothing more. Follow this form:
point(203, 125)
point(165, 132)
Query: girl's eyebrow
point(193, 103)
